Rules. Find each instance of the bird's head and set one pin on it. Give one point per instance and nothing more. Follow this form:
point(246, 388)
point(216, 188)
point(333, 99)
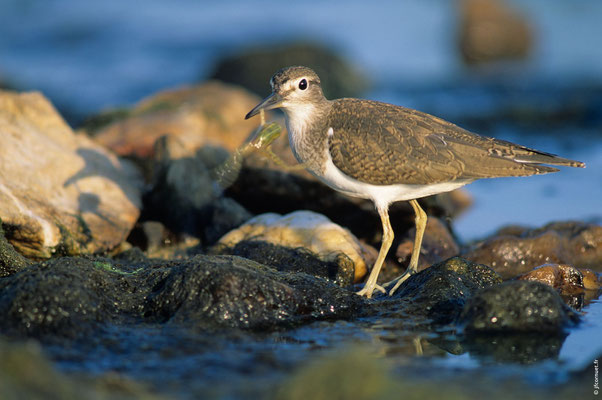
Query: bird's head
point(292, 88)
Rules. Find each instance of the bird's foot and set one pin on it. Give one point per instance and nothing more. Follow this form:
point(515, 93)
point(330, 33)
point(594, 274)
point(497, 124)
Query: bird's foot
point(369, 289)
point(399, 280)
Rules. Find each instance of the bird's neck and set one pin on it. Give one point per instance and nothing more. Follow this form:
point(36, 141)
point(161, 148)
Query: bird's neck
point(307, 130)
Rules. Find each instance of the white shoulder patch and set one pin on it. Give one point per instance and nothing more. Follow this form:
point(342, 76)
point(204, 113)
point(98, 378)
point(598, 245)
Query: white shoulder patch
point(330, 132)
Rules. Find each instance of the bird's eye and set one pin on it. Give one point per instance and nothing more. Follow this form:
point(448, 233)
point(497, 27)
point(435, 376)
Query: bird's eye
point(303, 84)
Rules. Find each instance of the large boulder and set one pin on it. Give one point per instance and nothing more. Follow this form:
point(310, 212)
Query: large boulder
point(208, 114)
point(59, 191)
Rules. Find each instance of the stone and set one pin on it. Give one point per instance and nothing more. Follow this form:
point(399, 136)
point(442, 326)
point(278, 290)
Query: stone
point(517, 306)
point(490, 30)
point(149, 235)
point(437, 245)
point(211, 113)
point(253, 68)
point(340, 269)
point(305, 229)
point(564, 278)
point(71, 297)
point(187, 200)
point(441, 291)
point(516, 251)
point(10, 260)
point(60, 192)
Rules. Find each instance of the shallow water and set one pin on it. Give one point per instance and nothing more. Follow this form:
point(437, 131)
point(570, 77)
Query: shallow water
point(236, 364)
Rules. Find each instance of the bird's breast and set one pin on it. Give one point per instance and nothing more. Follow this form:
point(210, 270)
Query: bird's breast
point(308, 144)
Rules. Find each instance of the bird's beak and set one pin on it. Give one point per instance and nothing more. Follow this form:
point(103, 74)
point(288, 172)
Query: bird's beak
point(272, 101)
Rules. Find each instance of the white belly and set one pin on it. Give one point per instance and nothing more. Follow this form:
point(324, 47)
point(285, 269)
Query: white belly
point(382, 195)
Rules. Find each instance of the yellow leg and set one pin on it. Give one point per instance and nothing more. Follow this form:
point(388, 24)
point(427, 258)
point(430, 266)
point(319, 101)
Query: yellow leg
point(421, 219)
point(384, 249)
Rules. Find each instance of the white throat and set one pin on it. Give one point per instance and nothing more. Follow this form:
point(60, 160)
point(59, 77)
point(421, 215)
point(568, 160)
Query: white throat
point(298, 118)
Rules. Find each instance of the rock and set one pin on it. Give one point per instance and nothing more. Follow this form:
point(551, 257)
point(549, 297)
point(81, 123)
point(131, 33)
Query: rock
point(61, 192)
point(76, 297)
point(150, 236)
point(340, 270)
point(518, 251)
point(517, 306)
point(187, 200)
point(591, 280)
point(577, 287)
point(208, 114)
point(239, 293)
point(564, 278)
point(254, 68)
point(304, 229)
point(437, 245)
point(490, 30)
point(440, 291)
point(10, 260)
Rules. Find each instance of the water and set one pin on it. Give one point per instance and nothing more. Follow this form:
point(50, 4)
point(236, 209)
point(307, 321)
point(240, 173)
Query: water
point(88, 56)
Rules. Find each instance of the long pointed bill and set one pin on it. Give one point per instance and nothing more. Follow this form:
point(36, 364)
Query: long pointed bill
point(272, 101)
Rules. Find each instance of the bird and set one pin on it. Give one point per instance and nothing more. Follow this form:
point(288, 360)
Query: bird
point(388, 153)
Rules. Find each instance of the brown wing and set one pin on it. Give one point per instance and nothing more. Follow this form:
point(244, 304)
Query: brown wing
point(384, 144)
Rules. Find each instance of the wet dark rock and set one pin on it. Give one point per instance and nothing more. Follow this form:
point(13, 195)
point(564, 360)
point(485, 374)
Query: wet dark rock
point(517, 306)
point(339, 270)
point(186, 199)
point(10, 260)
point(566, 279)
point(235, 292)
point(222, 216)
point(253, 68)
point(65, 296)
point(437, 245)
point(441, 291)
point(518, 251)
point(131, 256)
point(78, 297)
point(577, 286)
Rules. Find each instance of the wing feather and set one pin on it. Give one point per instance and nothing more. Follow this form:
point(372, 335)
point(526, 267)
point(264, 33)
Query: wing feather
point(383, 144)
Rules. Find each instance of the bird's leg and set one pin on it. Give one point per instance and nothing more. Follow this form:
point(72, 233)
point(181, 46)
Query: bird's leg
point(420, 227)
point(384, 249)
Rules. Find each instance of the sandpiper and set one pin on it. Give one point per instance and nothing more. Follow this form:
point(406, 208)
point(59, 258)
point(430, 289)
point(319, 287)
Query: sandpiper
point(388, 153)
